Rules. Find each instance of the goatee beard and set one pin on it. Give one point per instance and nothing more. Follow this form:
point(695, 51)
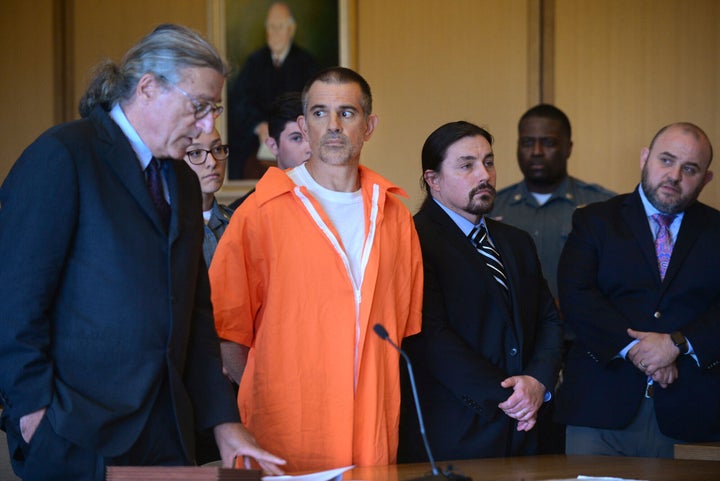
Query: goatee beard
point(487, 200)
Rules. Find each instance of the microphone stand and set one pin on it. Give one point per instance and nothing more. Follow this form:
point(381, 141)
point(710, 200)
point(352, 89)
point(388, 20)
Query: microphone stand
point(436, 475)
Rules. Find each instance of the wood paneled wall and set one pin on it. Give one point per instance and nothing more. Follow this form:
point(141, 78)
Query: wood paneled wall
point(623, 69)
point(106, 29)
point(26, 86)
point(434, 61)
point(49, 46)
point(619, 68)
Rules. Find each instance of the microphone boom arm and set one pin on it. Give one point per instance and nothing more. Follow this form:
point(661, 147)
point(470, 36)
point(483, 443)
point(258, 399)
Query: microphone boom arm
point(382, 332)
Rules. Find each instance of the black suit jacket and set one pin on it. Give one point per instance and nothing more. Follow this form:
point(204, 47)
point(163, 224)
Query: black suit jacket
point(100, 305)
point(470, 342)
point(609, 281)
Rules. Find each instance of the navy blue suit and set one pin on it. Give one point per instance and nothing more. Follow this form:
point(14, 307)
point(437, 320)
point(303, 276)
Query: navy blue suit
point(471, 341)
point(609, 281)
point(101, 306)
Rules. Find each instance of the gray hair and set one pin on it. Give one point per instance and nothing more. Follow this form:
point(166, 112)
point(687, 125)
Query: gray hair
point(340, 75)
point(164, 52)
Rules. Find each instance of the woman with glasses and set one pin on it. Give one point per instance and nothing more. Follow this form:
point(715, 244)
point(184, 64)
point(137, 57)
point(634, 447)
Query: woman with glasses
point(207, 157)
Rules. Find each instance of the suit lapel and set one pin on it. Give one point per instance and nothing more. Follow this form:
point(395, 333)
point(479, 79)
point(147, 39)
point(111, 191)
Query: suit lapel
point(177, 198)
point(510, 263)
point(124, 163)
point(635, 217)
point(633, 214)
point(690, 230)
point(451, 233)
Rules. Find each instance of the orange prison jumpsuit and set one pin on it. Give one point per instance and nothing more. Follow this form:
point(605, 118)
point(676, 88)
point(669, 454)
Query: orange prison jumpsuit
point(320, 388)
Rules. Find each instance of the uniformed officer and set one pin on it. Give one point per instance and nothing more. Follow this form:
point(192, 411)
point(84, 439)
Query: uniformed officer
point(543, 203)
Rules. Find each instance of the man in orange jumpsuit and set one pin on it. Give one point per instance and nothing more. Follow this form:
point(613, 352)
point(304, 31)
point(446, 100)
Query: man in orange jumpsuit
point(308, 265)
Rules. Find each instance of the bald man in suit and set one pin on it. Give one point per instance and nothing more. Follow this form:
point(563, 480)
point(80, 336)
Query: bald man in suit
point(639, 281)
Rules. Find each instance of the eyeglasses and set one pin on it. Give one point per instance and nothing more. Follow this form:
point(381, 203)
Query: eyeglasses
point(201, 108)
point(199, 156)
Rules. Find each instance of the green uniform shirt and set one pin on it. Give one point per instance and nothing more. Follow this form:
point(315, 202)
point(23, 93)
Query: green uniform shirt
point(548, 224)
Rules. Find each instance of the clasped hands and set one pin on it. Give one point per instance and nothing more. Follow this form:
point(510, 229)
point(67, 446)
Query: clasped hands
point(654, 354)
point(525, 401)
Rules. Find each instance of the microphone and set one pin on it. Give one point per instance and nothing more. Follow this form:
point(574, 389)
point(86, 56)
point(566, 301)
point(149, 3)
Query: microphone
point(436, 474)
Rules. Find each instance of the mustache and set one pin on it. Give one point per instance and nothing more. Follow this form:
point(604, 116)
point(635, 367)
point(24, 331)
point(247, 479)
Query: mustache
point(482, 186)
point(332, 136)
point(671, 182)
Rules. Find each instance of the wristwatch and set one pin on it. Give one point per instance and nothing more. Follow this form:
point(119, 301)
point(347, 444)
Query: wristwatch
point(680, 341)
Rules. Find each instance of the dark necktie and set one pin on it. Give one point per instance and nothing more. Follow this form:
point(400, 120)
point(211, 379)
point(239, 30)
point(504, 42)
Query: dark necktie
point(155, 186)
point(478, 236)
point(663, 241)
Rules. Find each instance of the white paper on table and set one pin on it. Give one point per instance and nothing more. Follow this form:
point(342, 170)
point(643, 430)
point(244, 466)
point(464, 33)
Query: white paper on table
point(329, 475)
point(605, 478)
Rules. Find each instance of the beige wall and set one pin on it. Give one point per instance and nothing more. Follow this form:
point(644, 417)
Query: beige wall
point(622, 69)
point(436, 61)
point(126, 21)
point(26, 85)
point(30, 36)
point(626, 68)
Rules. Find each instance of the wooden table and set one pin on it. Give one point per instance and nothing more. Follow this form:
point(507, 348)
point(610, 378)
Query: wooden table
point(707, 451)
point(532, 468)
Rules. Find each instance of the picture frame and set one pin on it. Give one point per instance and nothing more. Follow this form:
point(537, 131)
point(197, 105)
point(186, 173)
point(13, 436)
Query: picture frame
point(222, 30)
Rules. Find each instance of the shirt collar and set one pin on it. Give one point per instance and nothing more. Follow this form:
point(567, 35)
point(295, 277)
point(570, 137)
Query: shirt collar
point(565, 190)
point(465, 225)
point(650, 210)
point(141, 150)
point(280, 58)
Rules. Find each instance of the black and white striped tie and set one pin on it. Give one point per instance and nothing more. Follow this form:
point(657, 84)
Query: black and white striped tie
point(478, 236)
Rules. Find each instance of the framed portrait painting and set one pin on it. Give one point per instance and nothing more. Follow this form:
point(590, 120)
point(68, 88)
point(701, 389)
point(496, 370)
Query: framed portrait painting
point(242, 30)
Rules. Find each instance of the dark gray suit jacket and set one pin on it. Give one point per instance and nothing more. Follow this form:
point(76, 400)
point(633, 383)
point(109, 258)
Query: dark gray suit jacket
point(100, 304)
point(470, 341)
point(609, 281)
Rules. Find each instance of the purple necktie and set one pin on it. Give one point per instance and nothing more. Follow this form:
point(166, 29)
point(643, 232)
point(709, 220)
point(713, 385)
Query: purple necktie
point(663, 241)
point(155, 186)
